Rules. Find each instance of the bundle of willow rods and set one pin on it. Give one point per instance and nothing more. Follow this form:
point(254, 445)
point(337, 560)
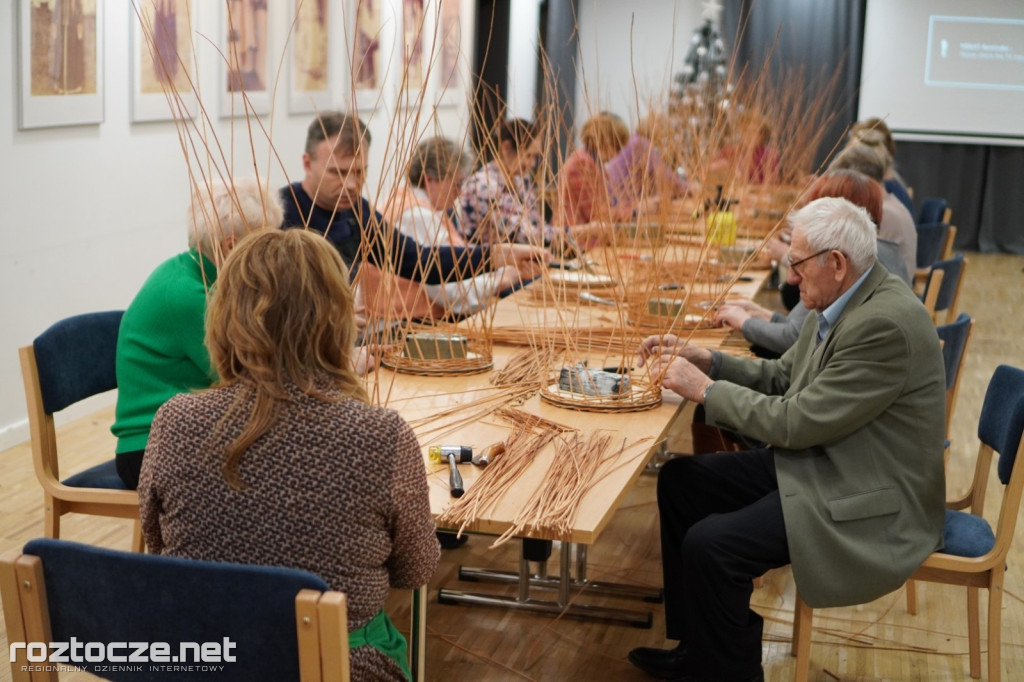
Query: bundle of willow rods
point(527, 368)
point(529, 436)
point(577, 465)
point(591, 338)
point(441, 423)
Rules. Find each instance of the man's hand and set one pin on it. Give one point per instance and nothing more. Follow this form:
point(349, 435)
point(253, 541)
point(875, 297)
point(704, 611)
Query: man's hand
point(776, 248)
point(681, 376)
point(732, 316)
point(752, 308)
point(672, 345)
point(522, 257)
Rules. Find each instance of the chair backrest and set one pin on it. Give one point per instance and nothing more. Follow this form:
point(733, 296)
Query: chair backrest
point(1002, 417)
point(72, 360)
point(954, 336)
point(75, 358)
point(947, 250)
point(931, 243)
point(258, 622)
point(949, 288)
point(999, 428)
point(931, 211)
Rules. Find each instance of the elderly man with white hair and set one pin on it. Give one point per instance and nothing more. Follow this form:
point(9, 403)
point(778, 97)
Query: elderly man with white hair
point(850, 489)
point(160, 349)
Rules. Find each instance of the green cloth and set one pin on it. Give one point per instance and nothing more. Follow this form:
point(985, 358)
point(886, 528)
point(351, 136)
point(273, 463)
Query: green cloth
point(160, 349)
point(380, 633)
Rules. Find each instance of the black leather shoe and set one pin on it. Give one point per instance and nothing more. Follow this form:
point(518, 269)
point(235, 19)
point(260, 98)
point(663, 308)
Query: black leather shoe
point(665, 664)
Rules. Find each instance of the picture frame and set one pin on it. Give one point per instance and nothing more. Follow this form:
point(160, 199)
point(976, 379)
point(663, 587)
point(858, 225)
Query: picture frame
point(451, 75)
point(60, 50)
point(414, 43)
point(371, 45)
point(163, 60)
point(247, 71)
point(310, 55)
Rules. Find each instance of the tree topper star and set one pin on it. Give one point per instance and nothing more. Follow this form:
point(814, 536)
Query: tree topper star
point(712, 10)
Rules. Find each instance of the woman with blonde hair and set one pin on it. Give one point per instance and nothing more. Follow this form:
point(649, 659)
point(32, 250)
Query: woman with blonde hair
point(638, 173)
point(283, 462)
point(583, 181)
point(875, 132)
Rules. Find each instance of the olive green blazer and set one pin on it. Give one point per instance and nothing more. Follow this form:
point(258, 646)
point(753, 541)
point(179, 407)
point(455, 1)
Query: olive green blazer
point(858, 424)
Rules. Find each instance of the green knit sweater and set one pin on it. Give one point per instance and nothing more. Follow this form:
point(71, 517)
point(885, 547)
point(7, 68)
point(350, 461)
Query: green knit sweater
point(160, 350)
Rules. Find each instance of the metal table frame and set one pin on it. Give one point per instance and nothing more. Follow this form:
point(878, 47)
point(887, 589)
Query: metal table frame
point(565, 584)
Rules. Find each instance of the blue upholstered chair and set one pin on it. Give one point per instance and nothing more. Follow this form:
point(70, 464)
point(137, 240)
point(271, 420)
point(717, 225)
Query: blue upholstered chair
point(954, 337)
point(71, 361)
point(933, 210)
point(282, 623)
point(941, 295)
point(974, 556)
point(931, 243)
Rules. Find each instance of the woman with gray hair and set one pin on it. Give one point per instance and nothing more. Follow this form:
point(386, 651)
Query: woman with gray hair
point(425, 209)
point(160, 350)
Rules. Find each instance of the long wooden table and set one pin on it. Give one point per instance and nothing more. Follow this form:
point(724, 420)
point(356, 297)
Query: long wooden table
point(441, 409)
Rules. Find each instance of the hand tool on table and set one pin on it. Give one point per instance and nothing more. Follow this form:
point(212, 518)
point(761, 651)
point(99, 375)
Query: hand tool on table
point(454, 454)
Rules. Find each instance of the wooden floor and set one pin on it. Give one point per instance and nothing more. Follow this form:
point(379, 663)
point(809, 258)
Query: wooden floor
point(876, 641)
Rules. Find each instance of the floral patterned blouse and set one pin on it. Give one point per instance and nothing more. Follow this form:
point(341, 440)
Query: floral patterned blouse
point(494, 212)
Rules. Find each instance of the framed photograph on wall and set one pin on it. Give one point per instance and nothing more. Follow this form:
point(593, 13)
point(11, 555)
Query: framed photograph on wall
point(373, 38)
point(163, 60)
point(247, 74)
point(451, 71)
point(415, 31)
point(60, 50)
point(309, 56)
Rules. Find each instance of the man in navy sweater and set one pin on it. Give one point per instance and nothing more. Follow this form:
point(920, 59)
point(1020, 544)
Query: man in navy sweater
point(329, 200)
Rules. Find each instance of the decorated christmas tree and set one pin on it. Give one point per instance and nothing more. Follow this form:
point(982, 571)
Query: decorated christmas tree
point(705, 67)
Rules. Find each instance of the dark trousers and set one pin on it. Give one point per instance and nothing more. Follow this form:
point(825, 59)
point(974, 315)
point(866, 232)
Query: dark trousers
point(721, 527)
point(129, 466)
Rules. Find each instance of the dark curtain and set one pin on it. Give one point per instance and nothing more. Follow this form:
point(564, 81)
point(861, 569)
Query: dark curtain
point(490, 70)
point(560, 43)
point(983, 184)
point(822, 38)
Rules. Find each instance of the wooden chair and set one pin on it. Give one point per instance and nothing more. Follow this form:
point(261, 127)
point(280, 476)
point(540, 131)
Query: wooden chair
point(974, 556)
point(947, 249)
point(275, 623)
point(942, 295)
point(954, 337)
point(71, 361)
point(931, 243)
point(934, 210)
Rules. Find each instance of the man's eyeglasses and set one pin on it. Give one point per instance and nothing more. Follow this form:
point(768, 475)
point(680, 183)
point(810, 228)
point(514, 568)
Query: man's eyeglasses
point(794, 263)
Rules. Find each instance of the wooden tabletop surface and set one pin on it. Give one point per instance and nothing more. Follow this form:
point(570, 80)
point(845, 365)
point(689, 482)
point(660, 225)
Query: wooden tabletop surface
point(454, 409)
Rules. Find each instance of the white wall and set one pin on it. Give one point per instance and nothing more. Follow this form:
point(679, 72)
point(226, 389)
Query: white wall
point(523, 39)
point(91, 210)
point(629, 52)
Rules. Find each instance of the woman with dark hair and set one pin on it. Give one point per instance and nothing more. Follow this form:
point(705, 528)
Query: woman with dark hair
point(500, 201)
point(261, 468)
